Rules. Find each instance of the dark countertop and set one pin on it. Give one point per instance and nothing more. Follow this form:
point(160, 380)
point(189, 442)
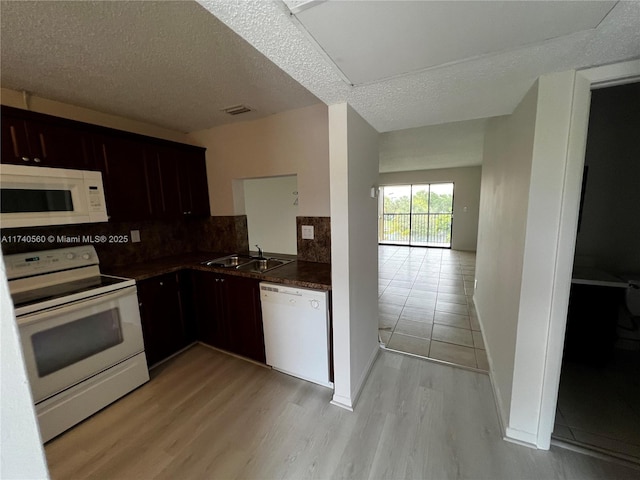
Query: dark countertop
point(298, 273)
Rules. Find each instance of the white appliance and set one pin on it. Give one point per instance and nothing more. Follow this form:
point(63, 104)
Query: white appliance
point(80, 331)
point(296, 331)
point(35, 196)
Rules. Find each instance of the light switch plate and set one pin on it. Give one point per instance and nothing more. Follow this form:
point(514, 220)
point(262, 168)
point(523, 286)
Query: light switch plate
point(307, 232)
point(135, 236)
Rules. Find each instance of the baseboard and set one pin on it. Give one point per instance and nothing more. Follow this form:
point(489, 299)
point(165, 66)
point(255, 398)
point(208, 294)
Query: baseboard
point(365, 374)
point(349, 403)
point(342, 402)
point(503, 417)
point(519, 437)
point(596, 452)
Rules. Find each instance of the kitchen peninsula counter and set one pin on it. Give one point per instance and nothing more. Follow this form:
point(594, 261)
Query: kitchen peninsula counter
point(297, 273)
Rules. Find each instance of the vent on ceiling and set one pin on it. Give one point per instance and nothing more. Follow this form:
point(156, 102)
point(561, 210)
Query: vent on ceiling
point(236, 109)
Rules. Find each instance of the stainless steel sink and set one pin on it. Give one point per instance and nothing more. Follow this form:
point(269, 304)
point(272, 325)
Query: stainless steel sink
point(245, 263)
point(261, 265)
point(230, 261)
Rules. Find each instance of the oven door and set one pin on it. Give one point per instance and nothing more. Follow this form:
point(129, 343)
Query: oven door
point(65, 345)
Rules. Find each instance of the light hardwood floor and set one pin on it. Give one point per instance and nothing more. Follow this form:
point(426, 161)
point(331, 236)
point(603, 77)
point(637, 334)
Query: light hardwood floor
point(207, 415)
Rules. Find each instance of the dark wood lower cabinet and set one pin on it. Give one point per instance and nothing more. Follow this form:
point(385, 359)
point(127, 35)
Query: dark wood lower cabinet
point(211, 309)
point(228, 313)
point(245, 318)
point(220, 310)
point(165, 327)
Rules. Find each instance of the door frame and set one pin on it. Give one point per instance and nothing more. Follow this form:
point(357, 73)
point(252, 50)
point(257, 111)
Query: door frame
point(585, 81)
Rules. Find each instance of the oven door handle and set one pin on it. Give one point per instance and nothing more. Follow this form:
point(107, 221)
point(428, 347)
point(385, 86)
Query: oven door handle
point(75, 306)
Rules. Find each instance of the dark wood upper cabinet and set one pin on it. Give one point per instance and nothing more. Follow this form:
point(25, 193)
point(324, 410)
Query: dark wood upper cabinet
point(193, 180)
point(126, 173)
point(167, 187)
point(41, 140)
point(145, 178)
point(181, 190)
point(61, 146)
point(15, 144)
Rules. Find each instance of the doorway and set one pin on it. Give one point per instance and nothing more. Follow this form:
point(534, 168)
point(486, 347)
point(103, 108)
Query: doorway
point(418, 215)
point(599, 391)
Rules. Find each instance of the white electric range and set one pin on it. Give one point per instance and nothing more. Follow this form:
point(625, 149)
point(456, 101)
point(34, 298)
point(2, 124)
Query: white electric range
point(80, 331)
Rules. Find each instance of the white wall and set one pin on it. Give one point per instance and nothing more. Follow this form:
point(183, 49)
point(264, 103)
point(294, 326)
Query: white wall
point(354, 262)
point(21, 452)
point(13, 98)
point(295, 142)
point(449, 145)
point(466, 195)
point(506, 173)
point(521, 201)
point(609, 236)
point(271, 209)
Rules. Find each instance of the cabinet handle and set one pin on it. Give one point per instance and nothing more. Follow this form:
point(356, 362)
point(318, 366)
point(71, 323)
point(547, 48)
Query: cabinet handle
point(161, 284)
point(140, 304)
point(25, 159)
point(222, 279)
point(14, 141)
point(43, 146)
point(36, 159)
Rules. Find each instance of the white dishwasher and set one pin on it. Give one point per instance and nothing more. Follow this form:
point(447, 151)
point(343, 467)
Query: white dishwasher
point(296, 331)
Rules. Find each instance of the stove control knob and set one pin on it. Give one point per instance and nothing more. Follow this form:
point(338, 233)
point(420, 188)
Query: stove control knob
point(86, 256)
point(71, 256)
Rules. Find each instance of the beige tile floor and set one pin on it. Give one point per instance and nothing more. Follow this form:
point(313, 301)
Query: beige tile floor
point(425, 304)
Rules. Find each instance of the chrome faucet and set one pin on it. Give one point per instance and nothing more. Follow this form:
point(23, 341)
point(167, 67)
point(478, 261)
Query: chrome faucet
point(259, 251)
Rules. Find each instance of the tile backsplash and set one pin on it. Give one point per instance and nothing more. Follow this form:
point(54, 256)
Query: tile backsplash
point(318, 249)
point(158, 238)
point(224, 234)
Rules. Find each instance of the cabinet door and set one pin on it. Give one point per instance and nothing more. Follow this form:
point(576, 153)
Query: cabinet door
point(161, 314)
point(60, 146)
point(15, 145)
point(41, 140)
point(168, 185)
point(185, 278)
point(245, 318)
point(126, 176)
point(194, 189)
point(210, 296)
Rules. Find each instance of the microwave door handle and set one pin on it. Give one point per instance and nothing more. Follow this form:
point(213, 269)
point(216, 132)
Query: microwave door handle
point(74, 306)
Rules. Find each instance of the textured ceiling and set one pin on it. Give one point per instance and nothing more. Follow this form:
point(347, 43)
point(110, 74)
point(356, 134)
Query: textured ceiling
point(420, 35)
point(458, 144)
point(477, 88)
point(172, 64)
point(175, 65)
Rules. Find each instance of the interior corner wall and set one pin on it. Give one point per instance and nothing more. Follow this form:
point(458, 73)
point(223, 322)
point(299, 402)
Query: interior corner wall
point(466, 195)
point(295, 142)
point(354, 170)
point(521, 201)
point(506, 173)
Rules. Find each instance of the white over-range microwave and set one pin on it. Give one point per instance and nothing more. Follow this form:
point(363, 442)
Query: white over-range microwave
point(36, 196)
